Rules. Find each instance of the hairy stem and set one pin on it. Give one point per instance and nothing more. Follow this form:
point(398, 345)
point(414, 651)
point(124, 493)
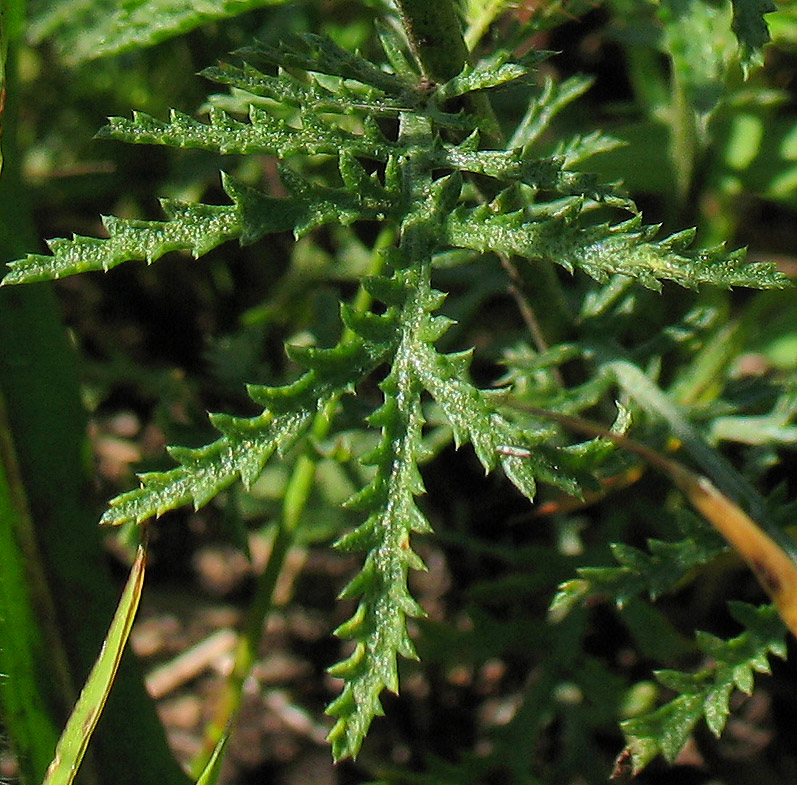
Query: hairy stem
point(434, 32)
point(435, 35)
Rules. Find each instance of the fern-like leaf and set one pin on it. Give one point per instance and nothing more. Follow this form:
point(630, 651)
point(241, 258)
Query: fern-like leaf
point(602, 250)
point(287, 90)
point(247, 443)
point(88, 29)
point(734, 664)
point(473, 417)
point(195, 228)
point(198, 228)
point(518, 165)
point(378, 626)
point(654, 572)
point(263, 133)
point(319, 54)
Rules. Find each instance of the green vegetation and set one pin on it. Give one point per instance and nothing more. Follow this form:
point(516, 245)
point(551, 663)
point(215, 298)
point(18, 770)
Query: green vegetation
point(449, 191)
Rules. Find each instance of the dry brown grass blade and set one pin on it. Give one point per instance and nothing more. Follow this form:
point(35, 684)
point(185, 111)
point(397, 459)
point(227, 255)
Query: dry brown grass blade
point(772, 566)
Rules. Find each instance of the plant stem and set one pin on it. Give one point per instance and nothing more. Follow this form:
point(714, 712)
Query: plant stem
point(434, 33)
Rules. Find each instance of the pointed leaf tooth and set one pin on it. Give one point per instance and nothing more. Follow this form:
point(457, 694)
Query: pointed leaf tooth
point(364, 537)
point(360, 584)
point(521, 475)
point(354, 626)
point(373, 130)
point(342, 705)
point(678, 241)
point(484, 447)
point(376, 456)
point(743, 678)
point(312, 357)
point(435, 328)
point(414, 562)
point(416, 487)
point(350, 665)
point(446, 191)
point(406, 648)
point(388, 290)
point(472, 143)
point(434, 300)
point(393, 175)
point(186, 456)
point(294, 183)
point(390, 677)
point(386, 414)
point(377, 328)
point(354, 176)
point(394, 46)
point(455, 365)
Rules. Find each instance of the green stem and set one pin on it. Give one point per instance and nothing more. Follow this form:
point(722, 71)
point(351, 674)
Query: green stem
point(434, 33)
point(297, 494)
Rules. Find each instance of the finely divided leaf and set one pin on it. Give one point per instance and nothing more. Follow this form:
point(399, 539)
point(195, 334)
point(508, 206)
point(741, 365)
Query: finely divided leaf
point(472, 413)
point(247, 443)
point(195, 228)
point(489, 73)
point(518, 165)
point(653, 572)
point(206, 471)
point(263, 133)
point(285, 89)
point(378, 625)
point(322, 55)
point(706, 694)
point(89, 29)
point(602, 250)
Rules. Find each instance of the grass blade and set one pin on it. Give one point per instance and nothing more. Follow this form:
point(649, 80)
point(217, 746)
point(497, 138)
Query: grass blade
point(75, 738)
point(772, 565)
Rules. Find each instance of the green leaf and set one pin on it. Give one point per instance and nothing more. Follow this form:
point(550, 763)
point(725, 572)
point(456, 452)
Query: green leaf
point(664, 731)
point(378, 626)
point(247, 443)
point(196, 228)
point(319, 54)
point(602, 250)
point(488, 73)
point(264, 133)
point(90, 29)
point(522, 453)
point(285, 89)
point(518, 165)
point(706, 694)
point(751, 29)
point(75, 739)
point(655, 572)
point(544, 108)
